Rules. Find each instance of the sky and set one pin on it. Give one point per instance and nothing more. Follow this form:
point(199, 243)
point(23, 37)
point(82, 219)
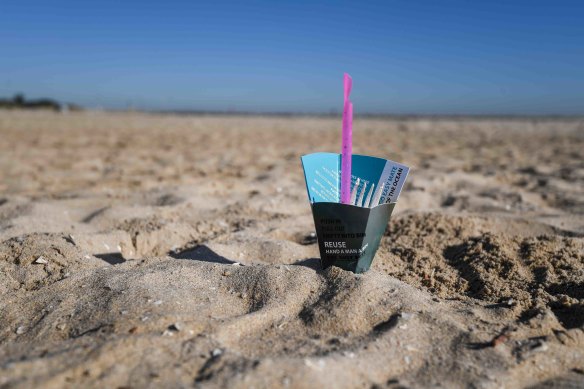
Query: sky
point(405, 57)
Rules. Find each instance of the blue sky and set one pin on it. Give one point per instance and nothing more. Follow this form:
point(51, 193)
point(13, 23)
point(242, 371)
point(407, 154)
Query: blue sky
point(427, 57)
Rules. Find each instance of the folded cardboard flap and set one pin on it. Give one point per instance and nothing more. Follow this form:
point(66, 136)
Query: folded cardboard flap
point(322, 172)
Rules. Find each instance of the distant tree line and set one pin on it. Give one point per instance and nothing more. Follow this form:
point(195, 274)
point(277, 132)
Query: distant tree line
point(19, 101)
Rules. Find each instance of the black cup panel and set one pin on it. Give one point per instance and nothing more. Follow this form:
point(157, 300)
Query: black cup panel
point(349, 236)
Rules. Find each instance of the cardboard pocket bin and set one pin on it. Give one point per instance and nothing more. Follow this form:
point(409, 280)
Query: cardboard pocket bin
point(349, 234)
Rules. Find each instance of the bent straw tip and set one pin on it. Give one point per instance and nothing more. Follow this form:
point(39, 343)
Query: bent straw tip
point(348, 84)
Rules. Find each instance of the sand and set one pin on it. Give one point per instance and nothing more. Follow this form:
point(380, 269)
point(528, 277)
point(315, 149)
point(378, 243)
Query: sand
point(157, 251)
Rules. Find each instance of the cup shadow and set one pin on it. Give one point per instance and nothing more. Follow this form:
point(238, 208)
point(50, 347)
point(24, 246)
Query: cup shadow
point(202, 253)
point(111, 258)
point(205, 254)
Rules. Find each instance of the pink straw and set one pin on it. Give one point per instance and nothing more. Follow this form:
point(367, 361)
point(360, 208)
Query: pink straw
point(347, 148)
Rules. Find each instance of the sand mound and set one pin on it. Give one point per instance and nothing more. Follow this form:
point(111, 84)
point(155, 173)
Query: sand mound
point(454, 257)
point(34, 261)
point(189, 322)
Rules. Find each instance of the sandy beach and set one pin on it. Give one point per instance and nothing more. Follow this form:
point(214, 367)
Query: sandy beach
point(148, 251)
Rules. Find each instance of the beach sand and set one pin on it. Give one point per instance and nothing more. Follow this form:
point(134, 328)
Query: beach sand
point(143, 250)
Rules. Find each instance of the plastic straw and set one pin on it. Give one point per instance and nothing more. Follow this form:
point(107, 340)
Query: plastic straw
point(368, 199)
point(359, 202)
point(353, 198)
point(347, 147)
point(377, 196)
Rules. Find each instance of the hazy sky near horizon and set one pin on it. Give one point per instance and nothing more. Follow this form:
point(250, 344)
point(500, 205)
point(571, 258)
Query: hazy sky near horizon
point(427, 57)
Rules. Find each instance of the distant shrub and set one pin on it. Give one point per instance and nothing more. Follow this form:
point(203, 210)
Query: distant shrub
point(20, 102)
